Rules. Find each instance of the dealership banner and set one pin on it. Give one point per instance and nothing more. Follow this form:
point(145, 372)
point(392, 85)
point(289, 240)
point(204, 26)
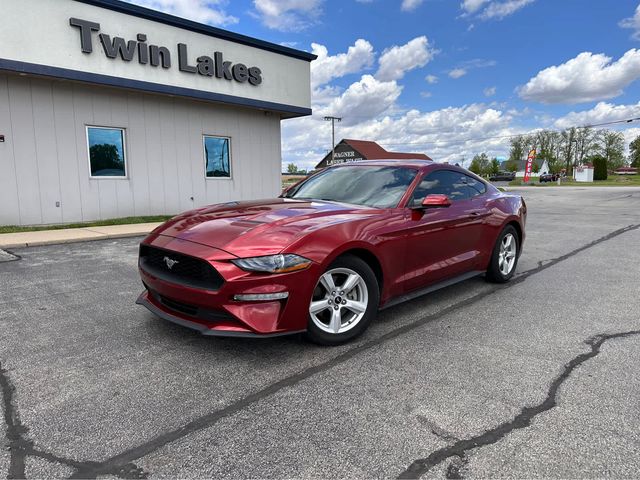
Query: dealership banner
point(528, 168)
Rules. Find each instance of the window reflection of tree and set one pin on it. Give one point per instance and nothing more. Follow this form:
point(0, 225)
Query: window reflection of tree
point(105, 157)
point(217, 155)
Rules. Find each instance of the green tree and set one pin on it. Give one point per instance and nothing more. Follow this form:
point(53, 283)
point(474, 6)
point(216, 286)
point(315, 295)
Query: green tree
point(292, 168)
point(494, 167)
point(634, 152)
point(599, 167)
point(475, 166)
point(586, 143)
point(535, 168)
point(611, 147)
point(480, 164)
point(518, 152)
point(568, 148)
point(512, 166)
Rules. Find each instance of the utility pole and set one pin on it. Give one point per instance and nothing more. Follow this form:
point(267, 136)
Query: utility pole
point(333, 121)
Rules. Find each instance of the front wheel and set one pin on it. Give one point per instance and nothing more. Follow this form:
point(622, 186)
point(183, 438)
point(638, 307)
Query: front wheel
point(344, 302)
point(505, 256)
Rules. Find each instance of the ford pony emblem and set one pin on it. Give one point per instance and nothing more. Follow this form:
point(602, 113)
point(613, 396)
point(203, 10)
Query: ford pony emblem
point(170, 262)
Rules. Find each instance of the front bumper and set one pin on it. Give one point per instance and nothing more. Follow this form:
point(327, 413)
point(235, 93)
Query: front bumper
point(216, 311)
point(219, 330)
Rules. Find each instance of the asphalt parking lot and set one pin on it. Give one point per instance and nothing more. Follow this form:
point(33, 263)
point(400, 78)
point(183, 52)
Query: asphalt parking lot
point(537, 378)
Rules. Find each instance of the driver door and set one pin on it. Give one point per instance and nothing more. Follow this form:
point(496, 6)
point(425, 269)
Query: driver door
point(442, 242)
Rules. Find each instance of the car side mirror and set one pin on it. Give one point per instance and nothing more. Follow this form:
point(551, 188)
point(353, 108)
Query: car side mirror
point(436, 200)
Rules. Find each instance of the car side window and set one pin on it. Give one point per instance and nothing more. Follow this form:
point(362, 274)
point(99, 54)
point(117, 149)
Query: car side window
point(444, 182)
point(474, 187)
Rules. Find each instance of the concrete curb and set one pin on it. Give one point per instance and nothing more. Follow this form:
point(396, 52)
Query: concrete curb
point(72, 235)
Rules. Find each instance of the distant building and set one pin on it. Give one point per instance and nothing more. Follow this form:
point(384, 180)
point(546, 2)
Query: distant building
point(353, 150)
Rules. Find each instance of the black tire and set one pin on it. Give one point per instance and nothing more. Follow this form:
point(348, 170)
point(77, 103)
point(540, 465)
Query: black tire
point(494, 272)
point(317, 335)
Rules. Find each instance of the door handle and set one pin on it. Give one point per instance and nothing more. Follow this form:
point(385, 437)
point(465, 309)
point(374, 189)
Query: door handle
point(478, 214)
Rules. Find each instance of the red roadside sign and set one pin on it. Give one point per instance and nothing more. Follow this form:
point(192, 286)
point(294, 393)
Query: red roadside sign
point(527, 169)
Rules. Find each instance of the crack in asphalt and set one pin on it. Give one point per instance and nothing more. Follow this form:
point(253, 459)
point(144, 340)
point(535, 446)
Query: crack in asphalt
point(15, 429)
point(454, 469)
point(522, 420)
point(458, 463)
point(21, 447)
point(121, 464)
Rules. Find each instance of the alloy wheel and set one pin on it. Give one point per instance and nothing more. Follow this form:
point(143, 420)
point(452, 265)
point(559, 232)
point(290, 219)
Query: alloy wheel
point(507, 254)
point(339, 301)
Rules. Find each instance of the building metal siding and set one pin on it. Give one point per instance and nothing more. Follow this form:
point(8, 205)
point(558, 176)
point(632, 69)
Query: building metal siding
point(44, 158)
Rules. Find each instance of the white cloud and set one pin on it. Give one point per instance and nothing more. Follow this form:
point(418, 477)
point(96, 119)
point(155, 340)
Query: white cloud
point(431, 79)
point(204, 11)
point(457, 73)
point(585, 78)
point(492, 9)
point(472, 6)
point(463, 68)
point(288, 15)
point(630, 134)
point(633, 23)
point(363, 100)
point(489, 91)
point(327, 67)
point(603, 112)
point(398, 60)
point(426, 94)
point(448, 134)
point(500, 10)
point(410, 5)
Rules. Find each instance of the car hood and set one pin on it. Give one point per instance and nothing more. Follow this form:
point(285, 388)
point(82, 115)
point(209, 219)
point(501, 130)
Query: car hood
point(262, 227)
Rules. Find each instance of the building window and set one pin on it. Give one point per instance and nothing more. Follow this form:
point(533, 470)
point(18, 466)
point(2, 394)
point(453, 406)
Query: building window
point(216, 157)
point(106, 152)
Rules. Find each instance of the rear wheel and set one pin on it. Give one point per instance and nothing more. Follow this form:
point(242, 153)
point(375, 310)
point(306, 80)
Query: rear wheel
point(505, 256)
point(344, 302)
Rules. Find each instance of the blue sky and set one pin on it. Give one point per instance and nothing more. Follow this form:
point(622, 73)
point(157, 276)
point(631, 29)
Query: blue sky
point(450, 78)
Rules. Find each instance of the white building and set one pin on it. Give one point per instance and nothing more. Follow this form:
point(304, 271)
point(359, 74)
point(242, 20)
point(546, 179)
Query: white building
point(109, 110)
point(583, 173)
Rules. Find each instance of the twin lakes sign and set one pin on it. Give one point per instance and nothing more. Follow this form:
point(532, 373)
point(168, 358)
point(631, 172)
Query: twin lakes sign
point(113, 43)
point(155, 56)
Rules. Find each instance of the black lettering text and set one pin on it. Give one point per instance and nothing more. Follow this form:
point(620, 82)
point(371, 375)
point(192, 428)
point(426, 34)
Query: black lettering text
point(240, 73)
point(205, 66)
point(85, 33)
point(160, 55)
point(255, 76)
point(143, 51)
point(183, 61)
point(118, 45)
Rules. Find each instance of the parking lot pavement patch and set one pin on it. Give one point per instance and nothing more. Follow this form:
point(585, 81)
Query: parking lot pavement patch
point(7, 257)
point(463, 447)
point(459, 449)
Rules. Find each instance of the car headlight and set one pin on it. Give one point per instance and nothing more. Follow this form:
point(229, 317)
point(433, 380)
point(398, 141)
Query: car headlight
point(281, 263)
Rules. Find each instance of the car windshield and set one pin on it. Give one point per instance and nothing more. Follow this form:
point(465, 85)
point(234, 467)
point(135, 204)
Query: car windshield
point(371, 186)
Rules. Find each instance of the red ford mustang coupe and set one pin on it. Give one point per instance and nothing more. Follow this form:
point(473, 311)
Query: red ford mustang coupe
point(331, 251)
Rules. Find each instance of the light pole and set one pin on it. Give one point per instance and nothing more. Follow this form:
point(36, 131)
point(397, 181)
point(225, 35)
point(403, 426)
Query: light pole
point(575, 157)
point(333, 121)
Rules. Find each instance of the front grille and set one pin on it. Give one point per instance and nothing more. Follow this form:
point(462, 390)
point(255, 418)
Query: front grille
point(206, 314)
point(178, 268)
point(179, 306)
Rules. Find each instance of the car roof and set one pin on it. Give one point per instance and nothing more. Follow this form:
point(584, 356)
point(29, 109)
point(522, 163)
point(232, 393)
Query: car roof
point(403, 162)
